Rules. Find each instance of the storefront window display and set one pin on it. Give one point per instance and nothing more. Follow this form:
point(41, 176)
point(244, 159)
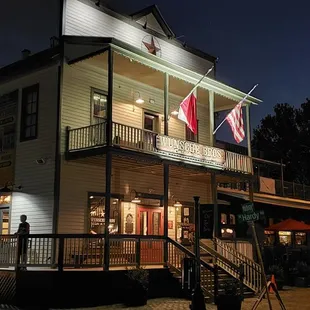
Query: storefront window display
point(285, 237)
point(300, 238)
point(97, 214)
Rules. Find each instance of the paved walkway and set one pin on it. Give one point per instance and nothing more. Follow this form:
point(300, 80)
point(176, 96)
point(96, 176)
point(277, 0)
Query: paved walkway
point(293, 299)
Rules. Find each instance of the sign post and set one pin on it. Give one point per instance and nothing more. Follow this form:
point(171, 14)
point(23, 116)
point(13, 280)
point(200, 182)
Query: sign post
point(250, 216)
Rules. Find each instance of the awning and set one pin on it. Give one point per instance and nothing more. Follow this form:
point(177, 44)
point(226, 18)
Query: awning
point(289, 225)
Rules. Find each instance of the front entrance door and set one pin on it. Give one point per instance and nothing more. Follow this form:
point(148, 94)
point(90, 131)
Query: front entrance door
point(151, 223)
point(4, 221)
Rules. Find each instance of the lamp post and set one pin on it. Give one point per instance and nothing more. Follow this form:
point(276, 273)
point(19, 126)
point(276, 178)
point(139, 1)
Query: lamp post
point(198, 300)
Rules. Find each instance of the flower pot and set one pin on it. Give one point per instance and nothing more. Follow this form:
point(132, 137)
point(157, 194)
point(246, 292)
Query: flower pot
point(136, 295)
point(231, 302)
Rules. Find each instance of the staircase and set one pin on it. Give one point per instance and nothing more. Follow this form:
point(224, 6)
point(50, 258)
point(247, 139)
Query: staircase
point(219, 262)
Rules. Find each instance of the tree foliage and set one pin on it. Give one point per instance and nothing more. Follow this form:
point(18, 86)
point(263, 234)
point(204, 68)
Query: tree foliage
point(286, 135)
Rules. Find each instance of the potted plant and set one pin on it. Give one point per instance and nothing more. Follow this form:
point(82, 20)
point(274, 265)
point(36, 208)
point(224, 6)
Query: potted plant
point(136, 293)
point(278, 273)
point(230, 298)
point(302, 274)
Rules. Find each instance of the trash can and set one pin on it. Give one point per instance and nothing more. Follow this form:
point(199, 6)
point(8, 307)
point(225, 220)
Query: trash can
point(188, 276)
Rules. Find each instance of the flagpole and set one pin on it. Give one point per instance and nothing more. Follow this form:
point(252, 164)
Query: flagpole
point(197, 84)
point(223, 121)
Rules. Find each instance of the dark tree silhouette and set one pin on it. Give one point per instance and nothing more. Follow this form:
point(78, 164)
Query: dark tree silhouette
point(286, 135)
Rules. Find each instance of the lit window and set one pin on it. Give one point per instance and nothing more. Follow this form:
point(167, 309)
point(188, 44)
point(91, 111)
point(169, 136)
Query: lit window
point(224, 218)
point(99, 101)
point(300, 238)
point(285, 237)
point(150, 122)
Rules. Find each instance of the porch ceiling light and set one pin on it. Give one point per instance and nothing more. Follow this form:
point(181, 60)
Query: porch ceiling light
point(139, 100)
point(5, 191)
point(136, 199)
point(177, 204)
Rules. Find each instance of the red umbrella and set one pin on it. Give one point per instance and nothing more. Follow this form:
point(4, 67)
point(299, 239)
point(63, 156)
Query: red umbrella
point(289, 225)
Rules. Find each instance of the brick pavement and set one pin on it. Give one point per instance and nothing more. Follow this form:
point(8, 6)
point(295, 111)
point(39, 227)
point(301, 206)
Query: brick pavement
point(294, 298)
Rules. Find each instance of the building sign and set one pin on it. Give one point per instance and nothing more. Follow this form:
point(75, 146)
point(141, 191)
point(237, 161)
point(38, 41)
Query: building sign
point(190, 151)
point(8, 112)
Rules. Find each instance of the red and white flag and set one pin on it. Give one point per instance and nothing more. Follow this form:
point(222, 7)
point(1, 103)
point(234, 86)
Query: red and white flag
point(235, 120)
point(188, 111)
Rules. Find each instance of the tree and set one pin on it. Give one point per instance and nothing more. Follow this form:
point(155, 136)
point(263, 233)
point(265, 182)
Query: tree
point(286, 135)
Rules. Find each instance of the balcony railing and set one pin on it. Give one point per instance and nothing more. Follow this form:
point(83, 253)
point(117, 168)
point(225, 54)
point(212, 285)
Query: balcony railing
point(145, 141)
point(281, 189)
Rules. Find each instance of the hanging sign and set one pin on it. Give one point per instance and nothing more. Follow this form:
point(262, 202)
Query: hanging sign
point(206, 221)
point(249, 214)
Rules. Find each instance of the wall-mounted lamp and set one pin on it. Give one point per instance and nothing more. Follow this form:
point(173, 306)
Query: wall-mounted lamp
point(8, 189)
point(177, 204)
point(145, 24)
point(175, 112)
point(139, 99)
point(135, 196)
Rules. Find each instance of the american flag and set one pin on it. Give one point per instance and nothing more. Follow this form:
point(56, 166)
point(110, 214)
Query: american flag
point(235, 120)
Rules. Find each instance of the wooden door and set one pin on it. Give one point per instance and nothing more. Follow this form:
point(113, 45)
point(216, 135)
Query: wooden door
point(151, 223)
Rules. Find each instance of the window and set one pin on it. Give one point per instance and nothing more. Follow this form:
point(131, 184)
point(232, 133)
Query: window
point(97, 214)
point(29, 116)
point(150, 122)
point(99, 103)
point(189, 135)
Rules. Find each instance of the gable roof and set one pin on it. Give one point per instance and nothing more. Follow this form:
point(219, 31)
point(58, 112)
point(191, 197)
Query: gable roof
point(154, 10)
point(129, 20)
point(31, 63)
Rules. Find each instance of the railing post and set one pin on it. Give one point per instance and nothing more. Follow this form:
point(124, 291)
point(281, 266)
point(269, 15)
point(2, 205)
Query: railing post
point(138, 252)
point(18, 252)
point(216, 281)
point(61, 251)
point(68, 138)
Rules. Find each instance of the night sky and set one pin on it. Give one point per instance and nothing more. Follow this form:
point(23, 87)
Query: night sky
point(265, 42)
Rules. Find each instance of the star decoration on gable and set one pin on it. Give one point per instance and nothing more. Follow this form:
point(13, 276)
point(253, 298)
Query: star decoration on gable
point(151, 47)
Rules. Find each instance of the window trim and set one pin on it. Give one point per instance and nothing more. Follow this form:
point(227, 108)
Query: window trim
point(26, 90)
point(101, 92)
point(197, 136)
point(158, 125)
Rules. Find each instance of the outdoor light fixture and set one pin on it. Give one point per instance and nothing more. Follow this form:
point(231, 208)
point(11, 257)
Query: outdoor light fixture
point(6, 190)
point(91, 197)
point(136, 199)
point(139, 100)
point(175, 112)
point(177, 204)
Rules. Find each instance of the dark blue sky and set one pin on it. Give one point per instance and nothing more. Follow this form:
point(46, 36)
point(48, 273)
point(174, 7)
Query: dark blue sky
point(265, 42)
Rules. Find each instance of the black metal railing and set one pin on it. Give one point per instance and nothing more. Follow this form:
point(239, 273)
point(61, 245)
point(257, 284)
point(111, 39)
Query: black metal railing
point(283, 189)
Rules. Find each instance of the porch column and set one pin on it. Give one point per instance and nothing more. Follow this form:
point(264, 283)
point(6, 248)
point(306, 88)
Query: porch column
point(108, 167)
point(248, 129)
point(216, 231)
point(166, 167)
point(211, 116)
point(166, 104)
point(166, 202)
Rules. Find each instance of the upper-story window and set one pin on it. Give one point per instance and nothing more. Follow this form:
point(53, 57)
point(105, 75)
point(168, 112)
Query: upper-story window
point(150, 122)
point(189, 135)
point(29, 113)
point(99, 106)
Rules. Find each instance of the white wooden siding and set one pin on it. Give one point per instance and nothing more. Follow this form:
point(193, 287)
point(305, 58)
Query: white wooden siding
point(78, 179)
point(36, 199)
point(76, 107)
point(83, 20)
point(152, 23)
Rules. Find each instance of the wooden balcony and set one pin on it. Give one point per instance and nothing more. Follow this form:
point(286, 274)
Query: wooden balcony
point(93, 137)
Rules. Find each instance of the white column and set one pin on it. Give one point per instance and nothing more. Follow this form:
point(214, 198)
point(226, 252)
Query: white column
point(211, 116)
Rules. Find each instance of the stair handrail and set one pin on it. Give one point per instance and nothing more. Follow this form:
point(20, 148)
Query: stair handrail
point(252, 270)
point(190, 254)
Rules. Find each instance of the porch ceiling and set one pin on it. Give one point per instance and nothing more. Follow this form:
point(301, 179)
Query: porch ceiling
point(141, 73)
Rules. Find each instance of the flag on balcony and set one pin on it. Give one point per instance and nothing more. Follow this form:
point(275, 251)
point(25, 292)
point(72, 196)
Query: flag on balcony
point(188, 111)
point(235, 120)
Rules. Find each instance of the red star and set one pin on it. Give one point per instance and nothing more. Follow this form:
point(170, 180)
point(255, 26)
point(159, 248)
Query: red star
point(151, 47)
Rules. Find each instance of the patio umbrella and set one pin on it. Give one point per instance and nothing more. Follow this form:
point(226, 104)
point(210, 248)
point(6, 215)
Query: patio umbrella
point(289, 225)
